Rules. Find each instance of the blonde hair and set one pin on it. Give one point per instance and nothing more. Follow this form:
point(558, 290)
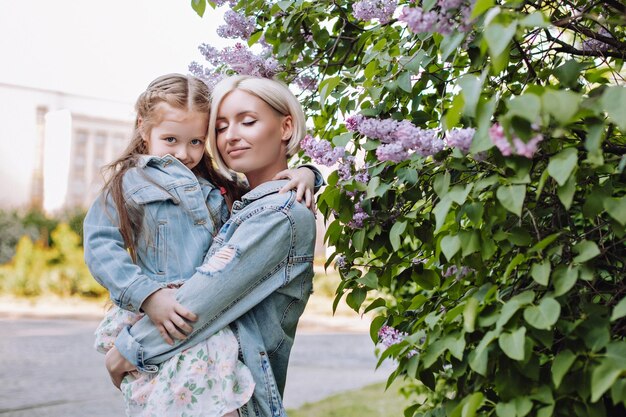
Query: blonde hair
point(276, 94)
point(181, 92)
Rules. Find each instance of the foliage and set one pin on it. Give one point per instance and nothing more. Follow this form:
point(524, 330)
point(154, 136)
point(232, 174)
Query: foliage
point(12, 230)
point(502, 266)
point(57, 269)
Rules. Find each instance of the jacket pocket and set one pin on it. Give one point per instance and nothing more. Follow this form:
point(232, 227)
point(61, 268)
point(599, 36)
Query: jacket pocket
point(151, 194)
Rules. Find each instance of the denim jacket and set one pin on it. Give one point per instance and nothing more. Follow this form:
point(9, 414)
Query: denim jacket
point(176, 207)
point(257, 276)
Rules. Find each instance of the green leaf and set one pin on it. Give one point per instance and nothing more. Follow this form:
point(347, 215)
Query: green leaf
point(603, 377)
point(473, 403)
point(326, 87)
point(616, 209)
point(512, 197)
point(479, 357)
point(453, 114)
point(512, 344)
point(541, 272)
point(471, 86)
point(526, 106)
point(395, 234)
point(564, 279)
point(480, 7)
point(614, 103)
point(459, 194)
point(567, 191)
point(358, 239)
point(441, 183)
point(427, 279)
point(356, 298)
point(619, 310)
point(561, 104)
point(512, 306)
point(372, 186)
point(561, 364)
point(543, 316)
point(450, 245)
point(404, 81)
point(470, 311)
point(441, 212)
point(562, 164)
point(470, 241)
point(498, 37)
point(199, 6)
point(586, 250)
point(450, 44)
point(535, 19)
point(370, 280)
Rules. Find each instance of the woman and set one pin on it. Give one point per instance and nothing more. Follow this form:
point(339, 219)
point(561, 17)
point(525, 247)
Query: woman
point(258, 273)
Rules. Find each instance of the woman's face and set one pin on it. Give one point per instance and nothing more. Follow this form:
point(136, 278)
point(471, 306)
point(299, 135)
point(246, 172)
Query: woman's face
point(252, 137)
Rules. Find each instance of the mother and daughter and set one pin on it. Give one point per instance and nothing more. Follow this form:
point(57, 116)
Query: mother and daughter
point(206, 301)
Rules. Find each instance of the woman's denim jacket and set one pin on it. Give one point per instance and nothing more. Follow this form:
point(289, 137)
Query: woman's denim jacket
point(175, 206)
point(257, 276)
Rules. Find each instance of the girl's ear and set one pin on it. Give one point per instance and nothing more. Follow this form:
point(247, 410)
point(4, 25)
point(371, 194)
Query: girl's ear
point(287, 128)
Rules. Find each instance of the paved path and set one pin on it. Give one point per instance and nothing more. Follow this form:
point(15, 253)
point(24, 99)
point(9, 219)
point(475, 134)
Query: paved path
point(48, 368)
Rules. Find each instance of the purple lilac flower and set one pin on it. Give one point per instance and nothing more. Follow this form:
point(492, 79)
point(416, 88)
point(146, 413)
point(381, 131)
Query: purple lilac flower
point(244, 61)
point(449, 16)
point(362, 175)
point(460, 138)
point(321, 151)
point(210, 77)
point(374, 9)
point(460, 273)
point(345, 168)
point(231, 3)
point(359, 217)
point(306, 82)
point(394, 152)
point(236, 26)
point(399, 139)
point(340, 262)
point(388, 336)
point(596, 45)
point(417, 20)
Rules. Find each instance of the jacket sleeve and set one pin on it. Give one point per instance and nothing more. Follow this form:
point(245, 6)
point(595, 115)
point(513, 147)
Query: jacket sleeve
point(108, 260)
point(240, 274)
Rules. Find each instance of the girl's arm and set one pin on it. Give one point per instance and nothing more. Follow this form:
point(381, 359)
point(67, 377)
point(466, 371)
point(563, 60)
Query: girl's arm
point(111, 265)
point(243, 272)
point(305, 180)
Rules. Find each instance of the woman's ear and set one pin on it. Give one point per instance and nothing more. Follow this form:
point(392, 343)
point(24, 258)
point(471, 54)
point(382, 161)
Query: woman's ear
point(287, 128)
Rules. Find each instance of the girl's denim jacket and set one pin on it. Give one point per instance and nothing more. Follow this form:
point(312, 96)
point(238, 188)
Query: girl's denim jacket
point(176, 207)
point(258, 276)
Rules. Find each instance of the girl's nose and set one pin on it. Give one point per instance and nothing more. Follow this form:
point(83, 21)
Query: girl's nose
point(181, 153)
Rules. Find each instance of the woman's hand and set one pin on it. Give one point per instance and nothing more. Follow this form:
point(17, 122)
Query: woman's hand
point(302, 180)
point(118, 366)
point(168, 315)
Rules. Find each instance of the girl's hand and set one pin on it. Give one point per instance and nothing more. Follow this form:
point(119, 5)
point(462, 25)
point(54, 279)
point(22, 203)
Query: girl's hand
point(118, 366)
point(168, 315)
point(302, 180)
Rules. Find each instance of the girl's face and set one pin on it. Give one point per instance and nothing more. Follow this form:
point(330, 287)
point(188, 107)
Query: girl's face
point(252, 137)
point(180, 133)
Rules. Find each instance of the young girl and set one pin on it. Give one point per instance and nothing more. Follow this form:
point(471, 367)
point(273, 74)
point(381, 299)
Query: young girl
point(147, 232)
point(266, 247)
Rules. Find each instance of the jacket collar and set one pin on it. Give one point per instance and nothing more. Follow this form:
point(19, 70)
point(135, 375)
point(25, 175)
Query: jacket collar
point(265, 189)
point(169, 160)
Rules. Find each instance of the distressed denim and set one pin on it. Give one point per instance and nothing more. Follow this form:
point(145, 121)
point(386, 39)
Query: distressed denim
point(258, 276)
point(176, 207)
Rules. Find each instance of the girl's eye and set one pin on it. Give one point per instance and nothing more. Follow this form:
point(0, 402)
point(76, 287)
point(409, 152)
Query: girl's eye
point(196, 142)
point(170, 139)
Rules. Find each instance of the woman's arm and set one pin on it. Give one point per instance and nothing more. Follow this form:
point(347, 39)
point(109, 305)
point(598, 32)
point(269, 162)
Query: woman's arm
point(249, 266)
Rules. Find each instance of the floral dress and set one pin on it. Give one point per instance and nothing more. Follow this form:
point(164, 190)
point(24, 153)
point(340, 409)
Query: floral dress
point(206, 380)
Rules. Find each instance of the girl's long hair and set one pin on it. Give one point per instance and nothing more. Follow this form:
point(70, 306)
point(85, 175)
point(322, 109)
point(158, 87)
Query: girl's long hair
point(181, 92)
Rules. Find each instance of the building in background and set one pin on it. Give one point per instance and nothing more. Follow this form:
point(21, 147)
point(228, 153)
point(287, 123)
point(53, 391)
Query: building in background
point(53, 146)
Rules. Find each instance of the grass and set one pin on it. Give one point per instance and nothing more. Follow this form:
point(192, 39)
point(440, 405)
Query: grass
point(370, 401)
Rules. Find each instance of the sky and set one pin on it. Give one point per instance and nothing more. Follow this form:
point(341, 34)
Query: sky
point(108, 49)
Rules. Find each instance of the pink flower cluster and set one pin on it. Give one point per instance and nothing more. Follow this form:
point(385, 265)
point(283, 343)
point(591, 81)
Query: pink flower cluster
point(388, 336)
point(237, 26)
point(306, 82)
point(525, 149)
point(460, 138)
point(321, 151)
point(238, 58)
point(400, 139)
point(374, 9)
point(449, 16)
